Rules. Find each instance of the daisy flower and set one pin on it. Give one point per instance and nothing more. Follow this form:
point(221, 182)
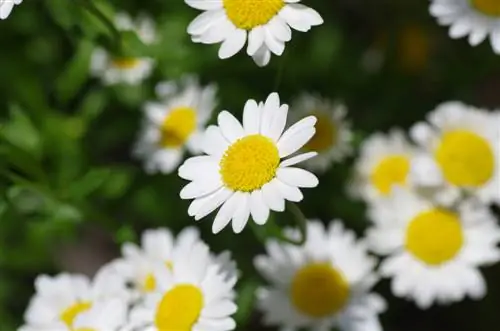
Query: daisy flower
point(477, 19)
point(243, 170)
point(194, 295)
point(333, 135)
point(265, 23)
point(130, 70)
point(60, 300)
point(322, 285)
point(384, 161)
point(104, 316)
point(159, 248)
point(462, 153)
point(433, 253)
point(174, 124)
point(6, 7)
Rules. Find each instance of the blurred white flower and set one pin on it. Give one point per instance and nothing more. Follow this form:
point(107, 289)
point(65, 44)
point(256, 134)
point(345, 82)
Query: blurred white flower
point(265, 23)
point(461, 153)
point(322, 285)
point(333, 136)
point(433, 253)
point(384, 162)
point(477, 19)
point(130, 70)
point(6, 7)
point(194, 295)
point(61, 301)
point(243, 170)
point(174, 124)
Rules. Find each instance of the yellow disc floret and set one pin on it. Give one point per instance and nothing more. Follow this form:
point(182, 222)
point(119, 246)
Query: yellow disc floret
point(391, 170)
point(179, 309)
point(69, 314)
point(325, 136)
point(487, 7)
point(125, 62)
point(248, 14)
point(178, 125)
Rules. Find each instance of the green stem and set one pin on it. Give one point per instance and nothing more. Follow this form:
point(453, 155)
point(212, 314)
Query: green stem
point(93, 9)
point(279, 75)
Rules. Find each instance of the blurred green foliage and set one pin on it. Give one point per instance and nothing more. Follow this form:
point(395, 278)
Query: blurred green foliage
point(65, 140)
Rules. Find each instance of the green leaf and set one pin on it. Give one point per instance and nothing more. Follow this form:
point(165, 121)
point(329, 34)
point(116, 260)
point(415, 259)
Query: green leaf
point(76, 72)
point(89, 183)
point(92, 105)
point(118, 181)
point(125, 233)
point(133, 46)
point(20, 132)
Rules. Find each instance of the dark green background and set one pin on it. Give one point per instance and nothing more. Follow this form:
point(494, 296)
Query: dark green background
point(71, 194)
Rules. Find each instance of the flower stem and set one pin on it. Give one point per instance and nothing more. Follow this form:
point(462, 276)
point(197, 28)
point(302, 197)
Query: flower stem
point(93, 9)
point(279, 75)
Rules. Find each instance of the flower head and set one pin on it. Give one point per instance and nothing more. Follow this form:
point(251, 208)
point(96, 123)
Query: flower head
point(243, 170)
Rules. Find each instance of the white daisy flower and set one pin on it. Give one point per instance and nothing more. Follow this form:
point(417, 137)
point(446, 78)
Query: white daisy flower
point(60, 300)
point(6, 7)
point(462, 153)
point(159, 248)
point(384, 161)
point(194, 295)
point(174, 124)
point(477, 19)
point(322, 285)
point(243, 170)
point(130, 70)
point(265, 23)
point(103, 316)
point(434, 254)
point(333, 136)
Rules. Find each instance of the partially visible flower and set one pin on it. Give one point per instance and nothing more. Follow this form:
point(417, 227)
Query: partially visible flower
point(433, 253)
point(462, 153)
point(243, 170)
point(266, 24)
point(174, 124)
point(194, 295)
point(104, 316)
point(159, 248)
point(59, 301)
point(6, 7)
point(323, 285)
point(333, 136)
point(477, 19)
point(118, 69)
point(384, 162)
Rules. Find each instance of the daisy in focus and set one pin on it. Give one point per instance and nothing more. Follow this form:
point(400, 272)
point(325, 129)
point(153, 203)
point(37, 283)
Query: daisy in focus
point(384, 162)
point(333, 136)
point(60, 301)
point(244, 170)
point(266, 24)
point(462, 145)
point(195, 295)
point(6, 7)
point(129, 70)
point(159, 248)
point(433, 253)
point(322, 285)
point(174, 124)
point(477, 19)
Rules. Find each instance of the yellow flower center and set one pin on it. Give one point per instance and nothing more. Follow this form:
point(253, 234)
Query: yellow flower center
point(248, 14)
point(325, 136)
point(85, 329)
point(434, 236)
point(179, 308)
point(249, 163)
point(69, 314)
point(487, 7)
point(390, 171)
point(466, 159)
point(178, 125)
point(125, 62)
point(318, 290)
point(149, 284)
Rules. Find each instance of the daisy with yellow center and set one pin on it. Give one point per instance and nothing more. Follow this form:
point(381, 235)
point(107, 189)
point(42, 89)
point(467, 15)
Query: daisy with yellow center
point(129, 70)
point(384, 163)
point(322, 285)
point(174, 124)
point(61, 300)
point(462, 147)
point(477, 19)
point(266, 24)
point(159, 248)
point(195, 295)
point(6, 7)
point(110, 315)
point(433, 253)
point(333, 136)
point(243, 170)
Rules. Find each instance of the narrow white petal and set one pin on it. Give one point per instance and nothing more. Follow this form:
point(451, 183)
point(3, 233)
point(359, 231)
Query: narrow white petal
point(230, 127)
point(290, 193)
point(201, 188)
point(295, 142)
point(241, 216)
point(226, 213)
point(233, 44)
point(214, 143)
point(258, 208)
point(297, 177)
point(255, 40)
point(297, 159)
point(251, 117)
point(204, 4)
point(213, 203)
point(262, 56)
point(273, 197)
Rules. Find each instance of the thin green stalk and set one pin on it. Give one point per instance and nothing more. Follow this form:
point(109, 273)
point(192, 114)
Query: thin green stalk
point(279, 75)
point(93, 9)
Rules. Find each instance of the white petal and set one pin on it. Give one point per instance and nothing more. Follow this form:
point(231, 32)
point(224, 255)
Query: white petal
point(258, 208)
point(292, 143)
point(262, 56)
point(255, 40)
point(272, 196)
point(204, 4)
point(251, 117)
point(290, 193)
point(297, 177)
point(214, 142)
point(288, 138)
point(226, 213)
point(230, 127)
point(201, 188)
point(241, 216)
point(213, 203)
point(233, 44)
point(297, 159)
point(195, 167)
